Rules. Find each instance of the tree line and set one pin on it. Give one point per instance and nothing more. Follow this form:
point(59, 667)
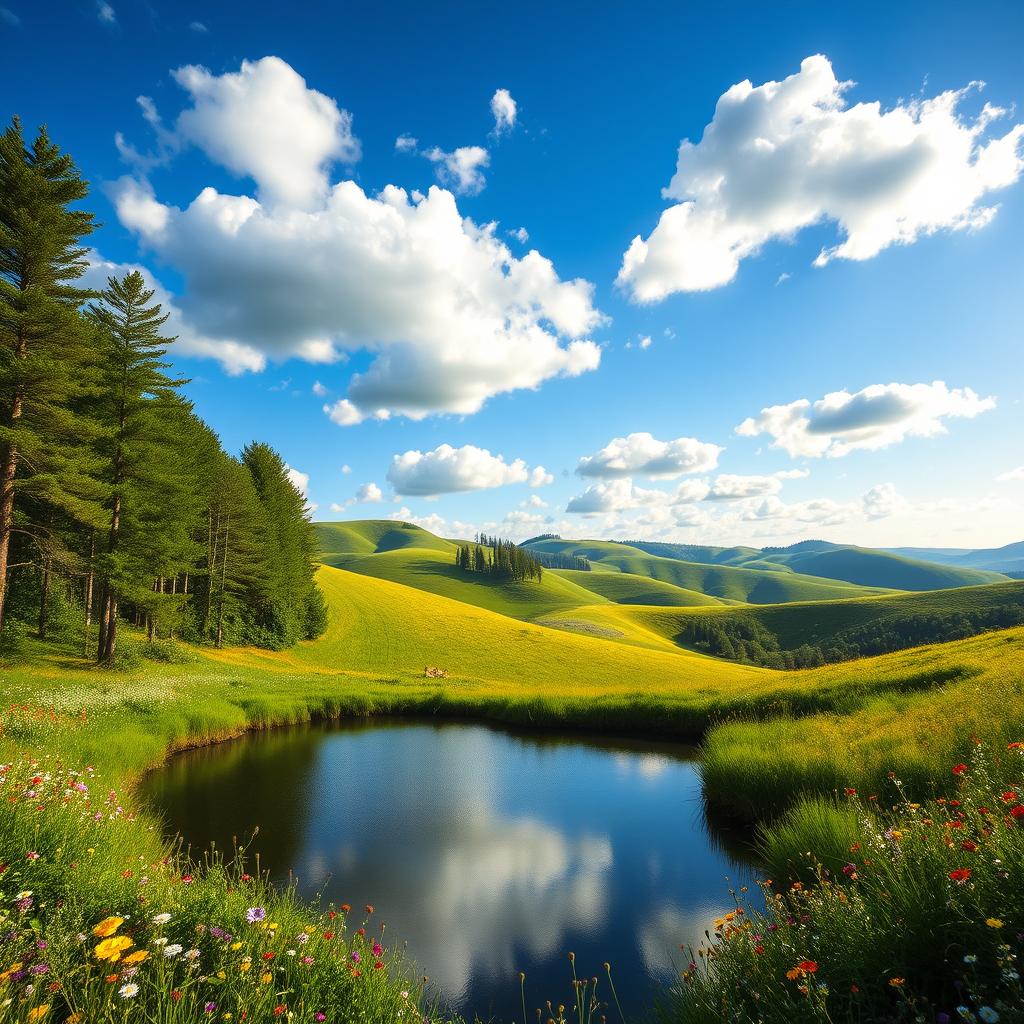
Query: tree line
point(117, 502)
point(748, 640)
point(502, 559)
point(560, 560)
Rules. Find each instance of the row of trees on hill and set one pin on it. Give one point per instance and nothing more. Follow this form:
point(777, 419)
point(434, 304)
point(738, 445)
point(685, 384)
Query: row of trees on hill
point(116, 501)
point(746, 639)
point(560, 560)
point(502, 559)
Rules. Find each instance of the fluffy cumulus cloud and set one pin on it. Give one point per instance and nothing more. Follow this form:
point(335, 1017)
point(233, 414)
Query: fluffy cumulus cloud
point(299, 480)
point(881, 501)
point(447, 470)
point(368, 494)
point(461, 169)
point(1011, 474)
point(872, 418)
point(732, 486)
point(642, 454)
point(779, 157)
point(613, 496)
point(505, 110)
point(311, 270)
point(265, 123)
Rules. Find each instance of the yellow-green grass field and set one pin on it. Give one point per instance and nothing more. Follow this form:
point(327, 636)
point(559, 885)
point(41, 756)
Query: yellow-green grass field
point(770, 738)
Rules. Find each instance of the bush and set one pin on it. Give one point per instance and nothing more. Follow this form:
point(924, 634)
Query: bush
point(166, 651)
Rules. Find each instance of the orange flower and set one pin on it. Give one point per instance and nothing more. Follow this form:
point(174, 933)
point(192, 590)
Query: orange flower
point(107, 927)
point(810, 966)
point(137, 957)
point(960, 875)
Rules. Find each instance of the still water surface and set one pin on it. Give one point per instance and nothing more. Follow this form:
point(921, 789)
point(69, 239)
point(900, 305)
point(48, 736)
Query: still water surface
point(488, 852)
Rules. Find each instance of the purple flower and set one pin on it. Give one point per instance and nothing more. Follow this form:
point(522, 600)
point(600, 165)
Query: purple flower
point(40, 968)
point(210, 1007)
point(254, 914)
point(356, 958)
point(320, 1016)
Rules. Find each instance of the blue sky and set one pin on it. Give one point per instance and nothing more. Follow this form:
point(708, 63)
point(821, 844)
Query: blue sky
point(282, 279)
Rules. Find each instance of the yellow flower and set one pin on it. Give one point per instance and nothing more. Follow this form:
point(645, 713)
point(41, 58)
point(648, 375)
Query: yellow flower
point(137, 957)
point(245, 964)
point(39, 1012)
point(75, 1018)
point(12, 970)
point(994, 922)
point(108, 926)
point(236, 945)
point(266, 979)
point(793, 973)
point(221, 975)
point(897, 982)
point(112, 948)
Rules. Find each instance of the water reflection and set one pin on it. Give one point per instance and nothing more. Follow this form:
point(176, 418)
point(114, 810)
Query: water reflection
point(488, 852)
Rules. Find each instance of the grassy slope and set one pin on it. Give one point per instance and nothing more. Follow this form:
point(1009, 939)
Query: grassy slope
point(862, 566)
point(756, 586)
point(627, 588)
point(815, 622)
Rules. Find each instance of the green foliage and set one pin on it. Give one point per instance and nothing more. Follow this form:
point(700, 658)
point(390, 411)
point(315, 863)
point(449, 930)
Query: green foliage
point(913, 912)
point(501, 559)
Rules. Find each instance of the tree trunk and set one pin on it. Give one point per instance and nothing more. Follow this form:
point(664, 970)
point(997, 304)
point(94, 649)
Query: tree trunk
point(44, 599)
point(10, 467)
point(211, 568)
point(223, 580)
point(89, 580)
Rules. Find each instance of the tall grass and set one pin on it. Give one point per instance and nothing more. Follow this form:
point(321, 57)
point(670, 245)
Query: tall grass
point(923, 922)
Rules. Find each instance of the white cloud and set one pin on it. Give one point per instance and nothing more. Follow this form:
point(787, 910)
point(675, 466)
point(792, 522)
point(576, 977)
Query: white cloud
point(406, 144)
point(447, 470)
point(731, 486)
point(106, 13)
point(540, 477)
point(368, 494)
point(520, 235)
point(641, 454)
point(346, 469)
point(199, 27)
point(818, 511)
point(299, 480)
point(782, 156)
point(881, 501)
point(505, 110)
point(872, 418)
point(534, 501)
point(612, 496)
point(265, 123)
point(461, 169)
point(319, 390)
point(1011, 474)
point(645, 341)
point(450, 315)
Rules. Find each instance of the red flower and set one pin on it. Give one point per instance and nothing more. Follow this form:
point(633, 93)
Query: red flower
point(278, 1010)
point(268, 956)
point(960, 875)
point(378, 965)
point(369, 908)
point(345, 908)
point(1016, 745)
point(1017, 812)
point(969, 846)
point(1009, 796)
point(810, 966)
point(328, 936)
point(959, 769)
point(851, 792)
point(175, 995)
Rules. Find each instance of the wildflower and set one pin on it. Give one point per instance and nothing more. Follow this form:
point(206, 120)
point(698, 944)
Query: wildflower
point(959, 769)
point(266, 979)
point(369, 908)
point(897, 982)
point(356, 958)
point(254, 914)
point(1016, 812)
point(809, 966)
point(320, 1016)
point(173, 950)
point(969, 846)
point(137, 957)
point(108, 926)
point(32, 855)
point(378, 949)
point(960, 875)
point(112, 948)
point(39, 1012)
point(161, 918)
point(1009, 796)
point(210, 1007)
point(346, 908)
point(129, 991)
point(993, 922)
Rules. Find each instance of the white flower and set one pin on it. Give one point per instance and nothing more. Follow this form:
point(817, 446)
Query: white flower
point(192, 954)
point(172, 950)
point(161, 918)
point(162, 941)
point(128, 991)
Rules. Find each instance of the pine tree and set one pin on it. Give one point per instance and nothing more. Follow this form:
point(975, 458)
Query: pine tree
point(43, 345)
point(142, 462)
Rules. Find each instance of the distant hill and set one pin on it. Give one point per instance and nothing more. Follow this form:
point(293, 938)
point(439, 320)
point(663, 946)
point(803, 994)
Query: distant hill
point(1008, 559)
point(727, 582)
point(895, 569)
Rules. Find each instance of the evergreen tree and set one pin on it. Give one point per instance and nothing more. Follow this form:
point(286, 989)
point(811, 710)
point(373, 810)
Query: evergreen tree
point(43, 341)
point(143, 465)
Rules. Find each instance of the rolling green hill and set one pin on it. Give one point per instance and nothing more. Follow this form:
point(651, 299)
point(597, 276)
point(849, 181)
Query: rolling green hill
point(892, 570)
point(727, 582)
point(373, 536)
point(952, 613)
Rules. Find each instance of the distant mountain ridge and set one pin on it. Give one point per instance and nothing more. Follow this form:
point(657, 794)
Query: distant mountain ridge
point(1008, 559)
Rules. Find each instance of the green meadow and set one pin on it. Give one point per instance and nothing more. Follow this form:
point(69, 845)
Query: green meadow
point(779, 749)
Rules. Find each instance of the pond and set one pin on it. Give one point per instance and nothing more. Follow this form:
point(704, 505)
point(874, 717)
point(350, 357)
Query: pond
point(488, 852)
